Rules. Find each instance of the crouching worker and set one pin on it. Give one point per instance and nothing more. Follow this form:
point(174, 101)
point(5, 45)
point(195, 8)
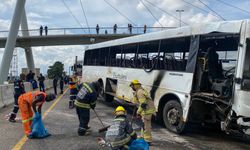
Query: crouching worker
point(32, 101)
point(86, 99)
point(120, 134)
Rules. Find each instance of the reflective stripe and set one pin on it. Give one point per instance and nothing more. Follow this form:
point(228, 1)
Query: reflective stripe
point(82, 105)
point(149, 111)
point(133, 133)
point(126, 146)
point(121, 142)
point(143, 99)
point(145, 93)
point(119, 119)
point(88, 88)
point(16, 106)
point(27, 120)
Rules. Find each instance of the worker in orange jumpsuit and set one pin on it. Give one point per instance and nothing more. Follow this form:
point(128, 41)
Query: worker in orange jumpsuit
point(32, 102)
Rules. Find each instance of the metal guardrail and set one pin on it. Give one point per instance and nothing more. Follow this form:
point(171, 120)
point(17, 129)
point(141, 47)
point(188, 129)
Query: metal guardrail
point(92, 30)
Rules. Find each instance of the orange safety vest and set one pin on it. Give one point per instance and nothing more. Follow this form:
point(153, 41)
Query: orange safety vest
point(73, 83)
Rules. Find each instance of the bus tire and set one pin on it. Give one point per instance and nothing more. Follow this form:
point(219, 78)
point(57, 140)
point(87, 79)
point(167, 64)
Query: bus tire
point(172, 117)
point(109, 98)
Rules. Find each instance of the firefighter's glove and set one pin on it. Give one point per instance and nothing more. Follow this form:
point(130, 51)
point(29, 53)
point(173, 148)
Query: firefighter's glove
point(92, 106)
point(144, 106)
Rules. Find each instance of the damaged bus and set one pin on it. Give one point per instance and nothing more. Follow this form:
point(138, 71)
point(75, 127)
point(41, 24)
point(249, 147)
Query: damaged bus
point(198, 73)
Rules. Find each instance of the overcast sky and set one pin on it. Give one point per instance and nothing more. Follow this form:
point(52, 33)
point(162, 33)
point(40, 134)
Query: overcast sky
point(54, 14)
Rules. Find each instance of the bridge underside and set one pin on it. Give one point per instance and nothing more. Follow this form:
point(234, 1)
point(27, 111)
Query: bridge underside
point(57, 40)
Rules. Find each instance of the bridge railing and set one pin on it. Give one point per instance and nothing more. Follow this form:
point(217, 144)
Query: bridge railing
point(92, 30)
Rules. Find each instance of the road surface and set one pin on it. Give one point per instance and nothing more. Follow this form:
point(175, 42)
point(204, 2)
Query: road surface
point(62, 123)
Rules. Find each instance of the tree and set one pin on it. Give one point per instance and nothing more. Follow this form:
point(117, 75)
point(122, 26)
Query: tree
point(56, 70)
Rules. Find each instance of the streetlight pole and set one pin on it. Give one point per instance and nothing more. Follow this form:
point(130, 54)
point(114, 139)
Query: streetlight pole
point(180, 11)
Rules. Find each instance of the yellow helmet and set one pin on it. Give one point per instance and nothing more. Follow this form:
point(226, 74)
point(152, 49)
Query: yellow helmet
point(119, 108)
point(134, 82)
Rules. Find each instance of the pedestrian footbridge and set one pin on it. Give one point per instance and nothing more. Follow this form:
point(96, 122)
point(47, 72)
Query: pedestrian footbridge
point(72, 36)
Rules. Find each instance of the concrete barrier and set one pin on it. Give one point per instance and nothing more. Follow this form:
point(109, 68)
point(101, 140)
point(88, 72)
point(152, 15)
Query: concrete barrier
point(7, 90)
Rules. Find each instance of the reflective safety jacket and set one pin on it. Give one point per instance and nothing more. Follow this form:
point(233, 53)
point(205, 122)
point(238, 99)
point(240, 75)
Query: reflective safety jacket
point(73, 83)
point(146, 105)
point(120, 132)
point(86, 97)
point(18, 88)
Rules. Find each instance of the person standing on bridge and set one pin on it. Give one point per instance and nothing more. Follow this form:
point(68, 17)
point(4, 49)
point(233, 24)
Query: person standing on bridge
point(41, 30)
point(86, 99)
point(97, 29)
point(73, 85)
point(46, 30)
point(18, 90)
point(115, 28)
point(32, 101)
point(145, 29)
point(130, 28)
point(145, 110)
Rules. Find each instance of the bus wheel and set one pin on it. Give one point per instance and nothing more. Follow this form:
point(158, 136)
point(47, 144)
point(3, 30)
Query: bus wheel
point(172, 114)
point(109, 98)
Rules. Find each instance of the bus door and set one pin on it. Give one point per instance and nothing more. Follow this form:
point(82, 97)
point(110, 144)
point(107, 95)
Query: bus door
point(241, 103)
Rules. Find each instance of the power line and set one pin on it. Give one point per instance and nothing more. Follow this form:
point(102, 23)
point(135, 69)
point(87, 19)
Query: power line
point(165, 11)
point(151, 13)
point(85, 16)
point(120, 12)
point(72, 14)
point(212, 10)
point(228, 4)
point(204, 10)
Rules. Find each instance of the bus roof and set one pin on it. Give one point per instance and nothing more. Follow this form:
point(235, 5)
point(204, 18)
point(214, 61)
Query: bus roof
point(232, 27)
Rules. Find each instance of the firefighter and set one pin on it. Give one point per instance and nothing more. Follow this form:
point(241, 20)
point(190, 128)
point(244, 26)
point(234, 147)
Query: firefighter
point(32, 101)
point(145, 110)
point(73, 85)
point(86, 99)
point(120, 134)
point(18, 90)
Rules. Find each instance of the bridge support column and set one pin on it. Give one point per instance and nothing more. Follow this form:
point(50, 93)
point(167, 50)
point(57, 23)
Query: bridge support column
point(28, 50)
point(11, 40)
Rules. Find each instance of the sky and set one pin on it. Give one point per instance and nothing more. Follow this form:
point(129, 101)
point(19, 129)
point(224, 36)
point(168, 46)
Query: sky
point(55, 14)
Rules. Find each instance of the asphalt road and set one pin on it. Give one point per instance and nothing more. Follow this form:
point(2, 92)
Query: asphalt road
point(62, 123)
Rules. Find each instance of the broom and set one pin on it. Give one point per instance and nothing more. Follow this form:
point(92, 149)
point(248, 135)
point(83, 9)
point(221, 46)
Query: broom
point(103, 126)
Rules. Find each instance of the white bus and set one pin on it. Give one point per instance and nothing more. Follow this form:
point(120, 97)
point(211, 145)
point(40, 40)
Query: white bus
point(198, 73)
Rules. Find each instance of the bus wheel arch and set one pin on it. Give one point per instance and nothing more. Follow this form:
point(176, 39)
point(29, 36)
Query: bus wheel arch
point(103, 95)
point(171, 113)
